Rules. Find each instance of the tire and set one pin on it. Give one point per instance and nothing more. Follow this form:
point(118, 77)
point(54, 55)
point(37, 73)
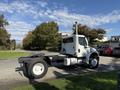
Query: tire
point(25, 69)
point(93, 62)
point(37, 69)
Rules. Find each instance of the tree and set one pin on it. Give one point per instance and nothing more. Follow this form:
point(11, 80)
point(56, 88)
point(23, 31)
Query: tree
point(13, 44)
point(3, 21)
point(27, 41)
point(4, 36)
point(45, 36)
point(91, 33)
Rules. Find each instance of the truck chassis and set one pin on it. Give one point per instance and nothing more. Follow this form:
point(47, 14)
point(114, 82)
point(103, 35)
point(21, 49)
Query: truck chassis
point(36, 66)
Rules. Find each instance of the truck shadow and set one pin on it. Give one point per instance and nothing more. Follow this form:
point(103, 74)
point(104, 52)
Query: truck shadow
point(42, 85)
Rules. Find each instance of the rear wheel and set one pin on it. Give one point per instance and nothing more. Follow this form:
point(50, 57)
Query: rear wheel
point(37, 69)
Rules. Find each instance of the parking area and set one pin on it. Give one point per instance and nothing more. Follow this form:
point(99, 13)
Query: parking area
point(8, 76)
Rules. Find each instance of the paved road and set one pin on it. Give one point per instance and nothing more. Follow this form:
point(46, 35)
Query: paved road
point(8, 76)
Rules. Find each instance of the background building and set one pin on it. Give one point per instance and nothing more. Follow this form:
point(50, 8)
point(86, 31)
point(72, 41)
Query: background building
point(115, 41)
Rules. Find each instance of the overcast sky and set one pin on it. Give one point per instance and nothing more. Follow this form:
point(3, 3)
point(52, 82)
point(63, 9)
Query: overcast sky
point(24, 15)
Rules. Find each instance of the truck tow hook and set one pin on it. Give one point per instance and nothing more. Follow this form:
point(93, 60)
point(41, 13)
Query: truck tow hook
point(18, 69)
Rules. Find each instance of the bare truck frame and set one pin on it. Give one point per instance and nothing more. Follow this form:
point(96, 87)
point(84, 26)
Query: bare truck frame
point(74, 50)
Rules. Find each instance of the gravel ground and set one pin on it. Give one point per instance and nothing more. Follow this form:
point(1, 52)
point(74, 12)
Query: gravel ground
point(10, 78)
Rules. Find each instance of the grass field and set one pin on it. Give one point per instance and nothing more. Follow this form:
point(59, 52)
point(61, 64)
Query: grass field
point(96, 81)
point(12, 54)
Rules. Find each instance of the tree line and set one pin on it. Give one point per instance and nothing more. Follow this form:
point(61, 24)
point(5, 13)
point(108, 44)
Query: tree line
point(45, 36)
point(91, 33)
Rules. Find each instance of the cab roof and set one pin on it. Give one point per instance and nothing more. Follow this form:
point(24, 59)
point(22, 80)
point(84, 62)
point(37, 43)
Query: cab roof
point(73, 35)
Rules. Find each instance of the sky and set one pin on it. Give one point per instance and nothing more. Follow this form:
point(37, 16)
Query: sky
point(24, 15)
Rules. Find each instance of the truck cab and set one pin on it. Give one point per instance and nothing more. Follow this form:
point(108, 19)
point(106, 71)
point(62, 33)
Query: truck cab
point(77, 50)
point(75, 45)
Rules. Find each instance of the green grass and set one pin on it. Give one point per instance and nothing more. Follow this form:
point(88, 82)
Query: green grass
point(96, 81)
point(12, 54)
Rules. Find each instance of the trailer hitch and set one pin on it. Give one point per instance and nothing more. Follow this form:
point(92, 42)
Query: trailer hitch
point(18, 69)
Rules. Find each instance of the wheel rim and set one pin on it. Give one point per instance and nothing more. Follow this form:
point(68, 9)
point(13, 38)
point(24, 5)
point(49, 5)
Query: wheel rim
point(94, 62)
point(38, 69)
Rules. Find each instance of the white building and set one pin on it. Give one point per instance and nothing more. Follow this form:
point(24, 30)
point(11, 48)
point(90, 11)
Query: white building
point(115, 41)
point(103, 40)
point(64, 34)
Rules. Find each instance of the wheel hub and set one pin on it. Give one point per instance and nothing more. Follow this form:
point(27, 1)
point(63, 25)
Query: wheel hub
point(38, 69)
point(94, 62)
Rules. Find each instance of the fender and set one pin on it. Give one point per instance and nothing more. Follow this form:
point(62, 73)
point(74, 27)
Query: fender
point(93, 51)
point(28, 59)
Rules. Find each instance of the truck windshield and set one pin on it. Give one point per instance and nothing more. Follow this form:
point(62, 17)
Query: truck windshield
point(82, 41)
point(68, 40)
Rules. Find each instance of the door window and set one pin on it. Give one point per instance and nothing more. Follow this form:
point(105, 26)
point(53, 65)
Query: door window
point(68, 40)
point(82, 41)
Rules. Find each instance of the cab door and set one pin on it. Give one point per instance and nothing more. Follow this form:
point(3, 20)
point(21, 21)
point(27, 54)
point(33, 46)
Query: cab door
point(68, 46)
point(82, 47)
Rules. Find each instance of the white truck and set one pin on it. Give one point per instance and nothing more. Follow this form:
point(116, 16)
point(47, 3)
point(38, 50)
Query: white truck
point(74, 50)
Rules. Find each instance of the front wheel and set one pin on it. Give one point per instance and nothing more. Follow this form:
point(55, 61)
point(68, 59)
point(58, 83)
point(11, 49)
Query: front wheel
point(93, 62)
point(37, 69)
